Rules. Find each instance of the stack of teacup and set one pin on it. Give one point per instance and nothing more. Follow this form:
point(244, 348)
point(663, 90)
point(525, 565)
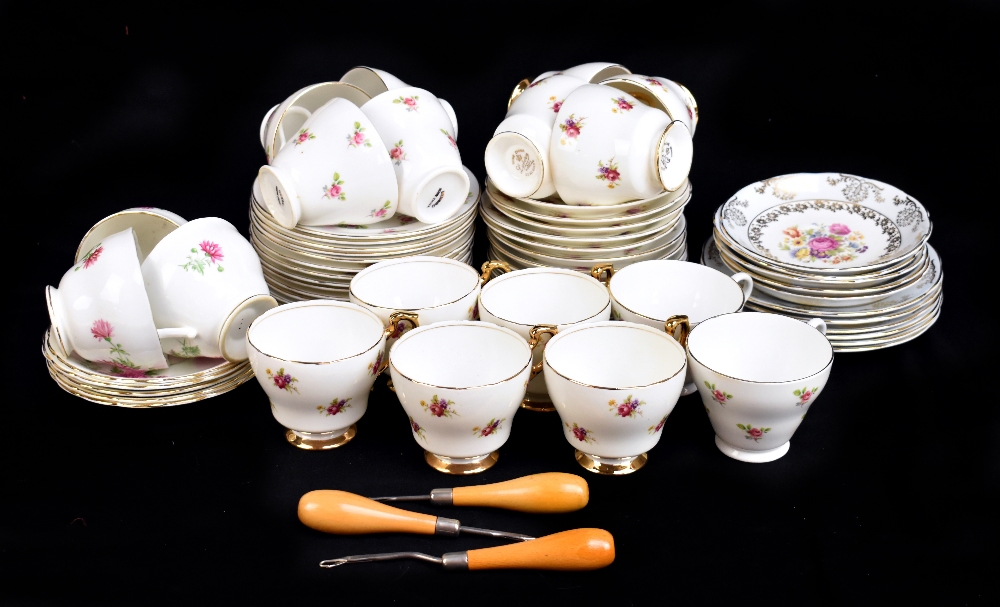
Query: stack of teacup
point(155, 310)
point(358, 171)
point(590, 166)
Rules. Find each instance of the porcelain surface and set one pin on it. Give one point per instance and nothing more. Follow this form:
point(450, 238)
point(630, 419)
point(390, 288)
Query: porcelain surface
point(285, 121)
point(661, 93)
point(150, 225)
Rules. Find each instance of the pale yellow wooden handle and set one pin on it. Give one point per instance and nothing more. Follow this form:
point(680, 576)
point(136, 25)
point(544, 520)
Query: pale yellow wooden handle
point(345, 513)
point(546, 492)
point(574, 550)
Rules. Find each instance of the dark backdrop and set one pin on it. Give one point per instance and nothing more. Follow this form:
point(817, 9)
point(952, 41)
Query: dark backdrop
point(884, 494)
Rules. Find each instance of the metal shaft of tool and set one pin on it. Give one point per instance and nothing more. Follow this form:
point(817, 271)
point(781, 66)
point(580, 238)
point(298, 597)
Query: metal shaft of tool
point(452, 561)
point(438, 497)
point(452, 528)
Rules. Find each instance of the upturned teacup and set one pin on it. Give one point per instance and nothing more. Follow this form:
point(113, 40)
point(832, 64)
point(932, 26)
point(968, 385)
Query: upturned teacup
point(661, 93)
point(559, 298)
point(595, 72)
point(283, 123)
point(337, 171)
point(460, 383)
point(613, 384)
point(317, 362)
point(150, 225)
point(758, 374)
point(375, 82)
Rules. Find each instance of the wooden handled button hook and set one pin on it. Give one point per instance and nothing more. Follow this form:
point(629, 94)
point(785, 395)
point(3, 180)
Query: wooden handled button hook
point(546, 492)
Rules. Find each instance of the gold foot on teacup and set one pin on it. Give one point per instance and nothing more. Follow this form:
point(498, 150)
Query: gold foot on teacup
point(320, 441)
point(461, 465)
point(615, 466)
point(536, 405)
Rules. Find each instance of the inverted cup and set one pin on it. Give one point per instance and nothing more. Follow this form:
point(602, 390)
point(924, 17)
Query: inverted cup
point(661, 93)
point(150, 225)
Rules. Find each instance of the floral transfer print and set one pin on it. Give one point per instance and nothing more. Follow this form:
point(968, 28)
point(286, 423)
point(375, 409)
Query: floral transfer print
point(571, 128)
point(654, 82)
point(376, 366)
point(659, 426)
point(451, 140)
point(627, 408)
point(283, 381)
point(358, 137)
point(582, 434)
point(474, 311)
point(121, 364)
point(417, 430)
point(304, 136)
point(383, 211)
point(352, 226)
point(90, 258)
point(554, 104)
point(396, 154)
point(405, 219)
point(720, 396)
point(187, 350)
point(336, 406)
point(209, 254)
point(609, 172)
point(439, 407)
point(409, 102)
point(831, 244)
point(805, 395)
point(615, 314)
point(336, 189)
point(491, 427)
point(621, 105)
point(754, 434)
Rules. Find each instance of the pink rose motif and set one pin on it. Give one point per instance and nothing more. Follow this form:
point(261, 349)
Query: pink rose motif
point(791, 232)
point(822, 243)
point(556, 106)
point(334, 191)
point(720, 396)
point(654, 82)
point(101, 329)
point(359, 138)
point(755, 433)
point(580, 433)
point(396, 153)
point(409, 101)
point(336, 407)
point(415, 426)
point(282, 380)
point(840, 229)
point(623, 104)
point(805, 397)
point(212, 250)
point(303, 136)
point(396, 332)
point(572, 131)
point(625, 409)
point(613, 175)
point(379, 213)
point(659, 426)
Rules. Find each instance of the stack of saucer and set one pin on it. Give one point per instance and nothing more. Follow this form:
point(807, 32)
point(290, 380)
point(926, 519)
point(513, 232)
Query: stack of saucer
point(186, 380)
point(318, 262)
point(529, 233)
point(848, 250)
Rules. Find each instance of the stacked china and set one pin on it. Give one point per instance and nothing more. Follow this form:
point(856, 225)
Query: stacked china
point(359, 171)
point(590, 167)
point(848, 250)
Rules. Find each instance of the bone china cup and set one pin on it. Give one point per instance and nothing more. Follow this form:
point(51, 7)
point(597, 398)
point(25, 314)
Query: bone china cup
point(613, 384)
point(375, 82)
point(595, 72)
point(460, 383)
point(758, 374)
point(610, 148)
point(205, 279)
point(661, 93)
point(101, 311)
point(337, 171)
point(149, 224)
point(422, 148)
point(317, 362)
point(543, 296)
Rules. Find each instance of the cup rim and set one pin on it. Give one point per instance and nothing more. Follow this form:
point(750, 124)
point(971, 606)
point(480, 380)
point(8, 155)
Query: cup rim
point(752, 381)
point(452, 323)
point(411, 259)
point(618, 301)
point(327, 303)
point(544, 270)
point(129, 211)
point(615, 324)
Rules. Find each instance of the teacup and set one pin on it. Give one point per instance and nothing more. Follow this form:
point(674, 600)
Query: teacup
point(661, 93)
point(422, 148)
point(375, 82)
point(517, 157)
point(317, 362)
point(613, 384)
point(205, 280)
point(609, 148)
point(561, 298)
point(596, 72)
point(283, 123)
point(324, 180)
point(101, 311)
point(653, 292)
point(149, 224)
point(757, 375)
point(460, 383)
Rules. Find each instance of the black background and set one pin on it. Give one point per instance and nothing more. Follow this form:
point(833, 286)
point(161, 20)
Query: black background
point(890, 487)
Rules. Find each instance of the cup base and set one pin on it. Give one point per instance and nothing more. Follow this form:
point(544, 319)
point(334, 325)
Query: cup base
point(320, 441)
point(753, 457)
point(461, 465)
point(233, 336)
point(537, 405)
point(611, 466)
point(690, 388)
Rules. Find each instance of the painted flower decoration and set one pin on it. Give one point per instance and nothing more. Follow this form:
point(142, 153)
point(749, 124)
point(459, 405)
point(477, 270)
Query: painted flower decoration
point(720, 396)
point(102, 329)
point(121, 364)
point(627, 408)
point(336, 406)
point(352, 226)
point(571, 128)
point(204, 257)
point(492, 426)
point(335, 191)
point(621, 105)
point(409, 102)
point(833, 244)
point(554, 104)
point(439, 407)
point(582, 434)
point(451, 139)
point(658, 426)
point(187, 350)
point(474, 311)
point(376, 366)
point(405, 219)
point(90, 258)
point(397, 154)
point(304, 136)
point(805, 395)
point(654, 82)
point(609, 172)
point(417, 430)
point(358, 138)
point(754, 434)
point(283, 381)
point(398, 330)
point(383, 211)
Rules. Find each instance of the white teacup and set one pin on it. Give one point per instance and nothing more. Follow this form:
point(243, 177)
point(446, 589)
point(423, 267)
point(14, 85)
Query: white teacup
point(101, 311)
point(283, 123)
point(555, 297)
point(205, 280)
point(595, 72)
point(609, 148)
point(149, 224)
point(460, 383)
point(375, 82)
point(337, 171)
point(317, 362)
point(661, 93)
point(613, 384)
point(517, 157)
point(656, 291)
point(757, 375)
point(421, 143)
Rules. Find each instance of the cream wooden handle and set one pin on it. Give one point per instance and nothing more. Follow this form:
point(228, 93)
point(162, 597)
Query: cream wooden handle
point(546, 492)
point(574, 550)
point(345, 513)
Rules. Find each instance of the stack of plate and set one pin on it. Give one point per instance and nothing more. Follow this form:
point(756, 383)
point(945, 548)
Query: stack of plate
point(849, 250)
point(528, 233)
point(186, 380)
point(318, 262)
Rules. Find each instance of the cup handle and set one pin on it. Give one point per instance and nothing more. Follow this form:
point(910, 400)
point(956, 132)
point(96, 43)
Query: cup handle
point(600, 270)
point(488, 268)
point(179, 332)
point(292, 109)
point(534, 338)
point(746, 283)
point(394, 319)
point(518, 89)
point(678, 321)
point(818, 324)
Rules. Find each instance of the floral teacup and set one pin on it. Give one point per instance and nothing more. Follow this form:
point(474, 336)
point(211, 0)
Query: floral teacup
point(317, 362)
point(758, 374)
point(596, 72)
point(149, 224)
point(661, 93)
point(375, 82)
